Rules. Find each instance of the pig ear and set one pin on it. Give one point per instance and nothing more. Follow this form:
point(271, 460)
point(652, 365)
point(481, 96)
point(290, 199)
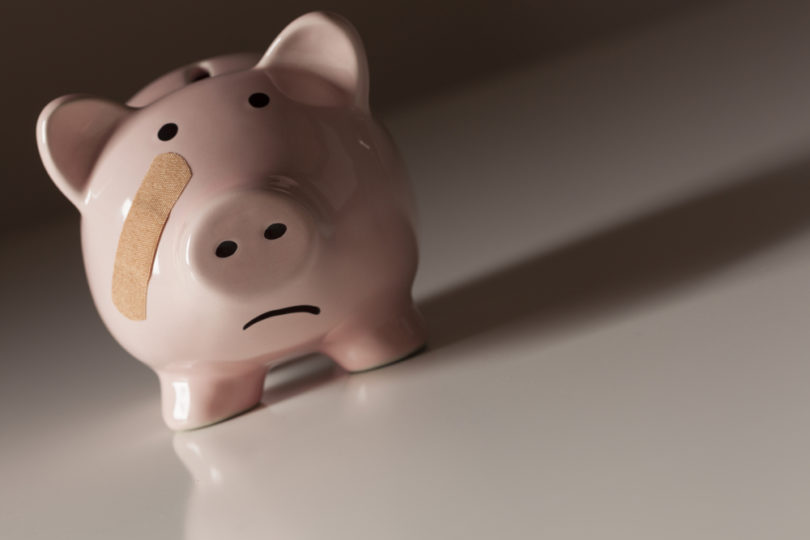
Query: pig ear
point(71, 132)
point(319, 59)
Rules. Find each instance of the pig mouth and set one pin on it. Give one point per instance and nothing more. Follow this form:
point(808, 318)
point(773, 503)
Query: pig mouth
point(283, 311)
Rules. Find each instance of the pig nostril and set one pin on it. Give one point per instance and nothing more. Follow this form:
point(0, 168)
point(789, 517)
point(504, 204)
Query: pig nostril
point(226, 249)
point(276, 230)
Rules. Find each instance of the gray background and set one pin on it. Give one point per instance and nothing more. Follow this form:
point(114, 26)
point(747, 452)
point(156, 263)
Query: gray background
point(615, 262)
point(415, 48)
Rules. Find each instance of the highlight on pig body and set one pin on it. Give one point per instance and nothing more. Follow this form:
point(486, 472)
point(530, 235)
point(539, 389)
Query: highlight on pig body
point(239, 212)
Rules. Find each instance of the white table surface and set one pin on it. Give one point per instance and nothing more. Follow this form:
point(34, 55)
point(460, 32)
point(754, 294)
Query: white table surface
point(616, 277)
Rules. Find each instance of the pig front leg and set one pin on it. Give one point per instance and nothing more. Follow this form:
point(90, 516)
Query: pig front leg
point(383, 333)
point(206, 394)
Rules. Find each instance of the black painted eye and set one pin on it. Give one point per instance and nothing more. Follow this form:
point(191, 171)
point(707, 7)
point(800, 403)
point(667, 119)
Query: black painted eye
point(259, 100)
point(167, 131)
point(226, 249)
point(276, 230)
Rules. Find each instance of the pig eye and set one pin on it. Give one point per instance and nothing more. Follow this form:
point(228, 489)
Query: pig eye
point(167, 131)
point(259, 100)
point(276, 230)
point(226, 249)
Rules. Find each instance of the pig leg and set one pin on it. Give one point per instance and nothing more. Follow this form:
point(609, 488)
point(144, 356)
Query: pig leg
point(381, 334)
point(205, 394)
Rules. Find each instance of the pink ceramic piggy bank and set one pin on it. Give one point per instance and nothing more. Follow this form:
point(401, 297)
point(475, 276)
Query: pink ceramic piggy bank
point(240, 212)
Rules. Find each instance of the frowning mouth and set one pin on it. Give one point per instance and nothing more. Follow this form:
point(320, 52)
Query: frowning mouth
point(283, 311)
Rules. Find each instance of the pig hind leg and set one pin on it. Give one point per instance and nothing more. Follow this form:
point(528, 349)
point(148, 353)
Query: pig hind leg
point(383, 333)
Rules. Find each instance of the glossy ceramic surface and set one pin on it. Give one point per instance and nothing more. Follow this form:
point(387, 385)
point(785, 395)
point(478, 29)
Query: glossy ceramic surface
point(292, 174)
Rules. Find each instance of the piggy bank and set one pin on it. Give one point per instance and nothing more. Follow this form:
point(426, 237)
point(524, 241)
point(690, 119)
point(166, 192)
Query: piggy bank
point(240, 212)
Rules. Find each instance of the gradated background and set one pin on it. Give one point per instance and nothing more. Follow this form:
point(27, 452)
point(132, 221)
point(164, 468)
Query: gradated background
point(415, 48)
point(615, 251)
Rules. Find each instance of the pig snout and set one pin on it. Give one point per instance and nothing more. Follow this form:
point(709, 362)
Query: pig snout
point(251, 241)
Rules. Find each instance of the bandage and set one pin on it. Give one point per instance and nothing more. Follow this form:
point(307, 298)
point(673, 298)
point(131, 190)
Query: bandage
point(165, 180)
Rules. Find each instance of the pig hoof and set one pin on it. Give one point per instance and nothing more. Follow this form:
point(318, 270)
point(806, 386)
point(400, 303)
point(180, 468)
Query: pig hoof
point(415, 352)
point(195, 400)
